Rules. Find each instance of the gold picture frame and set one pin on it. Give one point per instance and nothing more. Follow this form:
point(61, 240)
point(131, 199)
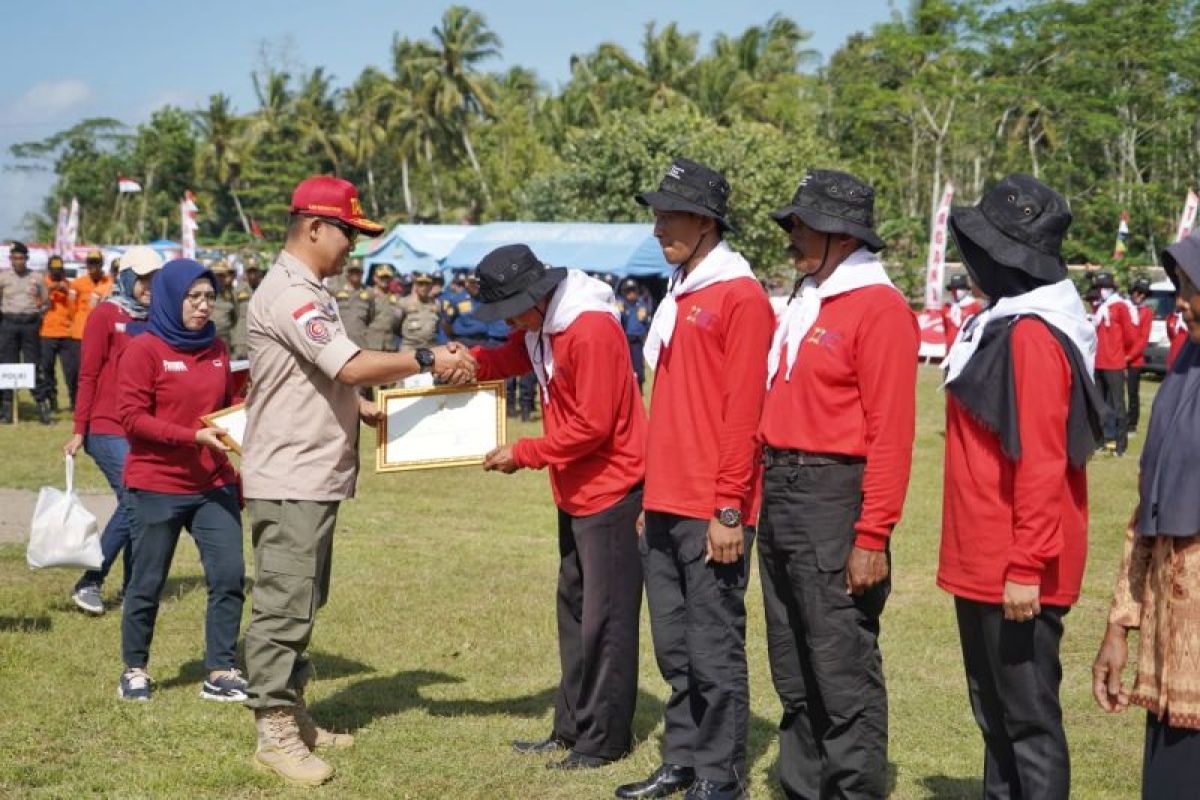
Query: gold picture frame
point(439, 426)
point(232, 423)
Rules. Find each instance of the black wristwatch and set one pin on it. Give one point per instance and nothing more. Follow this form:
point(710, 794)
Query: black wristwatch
point(729, 517)
point(424, 357)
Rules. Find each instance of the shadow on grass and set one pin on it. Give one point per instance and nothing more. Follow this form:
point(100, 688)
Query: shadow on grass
point(361, 703)
point(893, 772)
point(324, 667)
point(40, 624)
point(945, 787)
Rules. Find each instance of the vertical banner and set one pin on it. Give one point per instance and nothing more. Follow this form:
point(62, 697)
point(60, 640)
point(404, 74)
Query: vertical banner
point(1188, 219)
point(71, 234)
point(933, 326)
point(1122, 236)
point(187, 212)
point(60, 233)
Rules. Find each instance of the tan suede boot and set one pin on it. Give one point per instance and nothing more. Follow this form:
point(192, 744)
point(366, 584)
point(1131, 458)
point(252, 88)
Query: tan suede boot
point(281, 750)
point(313, 735)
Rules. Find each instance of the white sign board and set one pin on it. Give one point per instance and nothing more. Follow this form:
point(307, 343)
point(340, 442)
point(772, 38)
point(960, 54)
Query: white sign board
point(17, 376)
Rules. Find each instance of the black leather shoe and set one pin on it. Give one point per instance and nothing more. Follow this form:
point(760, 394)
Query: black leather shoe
point(44, 412)
point(664, 781)
point(579, 761)
point(551, 744)
point(704, 789)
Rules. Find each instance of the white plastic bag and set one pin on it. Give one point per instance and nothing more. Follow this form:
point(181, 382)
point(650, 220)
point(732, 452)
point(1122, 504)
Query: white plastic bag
point(63, 533)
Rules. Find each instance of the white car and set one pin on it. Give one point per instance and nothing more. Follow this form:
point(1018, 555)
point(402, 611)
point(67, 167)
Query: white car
point(1162, 300)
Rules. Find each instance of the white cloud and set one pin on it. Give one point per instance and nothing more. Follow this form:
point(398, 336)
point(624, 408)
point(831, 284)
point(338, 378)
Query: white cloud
point(49, 101)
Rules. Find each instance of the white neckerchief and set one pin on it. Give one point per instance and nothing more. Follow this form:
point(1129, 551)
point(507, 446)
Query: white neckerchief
point(576, 294)
point(1057, 304)
point(1102, 316)
point(720, 265)
point(956, 308)
point(1180, 325)
point(861, 268)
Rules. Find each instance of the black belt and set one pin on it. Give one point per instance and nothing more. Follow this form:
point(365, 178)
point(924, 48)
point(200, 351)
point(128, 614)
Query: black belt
point(774, 457)
point(9, 316)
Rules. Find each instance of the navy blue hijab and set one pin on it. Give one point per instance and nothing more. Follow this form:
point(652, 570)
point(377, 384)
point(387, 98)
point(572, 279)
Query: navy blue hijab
point(167, 290)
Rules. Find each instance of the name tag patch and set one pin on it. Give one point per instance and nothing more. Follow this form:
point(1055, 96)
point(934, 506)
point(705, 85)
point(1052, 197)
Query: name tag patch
point(174, 366)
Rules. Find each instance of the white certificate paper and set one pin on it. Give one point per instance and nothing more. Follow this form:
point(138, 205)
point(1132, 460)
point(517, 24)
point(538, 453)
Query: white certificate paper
point(440, 426)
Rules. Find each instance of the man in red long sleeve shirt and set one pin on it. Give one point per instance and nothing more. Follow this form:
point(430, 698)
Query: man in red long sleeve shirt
point(1022, 418)
point(1141, 317)
point(837, 430)
point(1115, 336)
point(708, 343)
point(567, 331)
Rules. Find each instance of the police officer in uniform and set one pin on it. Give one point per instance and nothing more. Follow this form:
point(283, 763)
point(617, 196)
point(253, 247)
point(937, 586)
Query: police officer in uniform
point(253, 275)
point(635, 319)
point(300, 459)
point(458, 314)
point(382, 332)
point(419, 315)
point(224, 309)
point(356, 305)
point(22, 301)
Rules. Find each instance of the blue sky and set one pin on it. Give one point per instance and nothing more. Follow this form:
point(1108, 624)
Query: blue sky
point(64, 61)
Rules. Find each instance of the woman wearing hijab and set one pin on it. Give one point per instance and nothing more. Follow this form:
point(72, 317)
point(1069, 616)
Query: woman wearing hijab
point(174, 371)
point(97, 424)
point(1022, 417)
point(1157, 590)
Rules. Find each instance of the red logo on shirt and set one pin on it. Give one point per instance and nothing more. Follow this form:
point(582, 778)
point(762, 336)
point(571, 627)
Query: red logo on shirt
point(317, 330)
point(824, 338)
point(702, 317)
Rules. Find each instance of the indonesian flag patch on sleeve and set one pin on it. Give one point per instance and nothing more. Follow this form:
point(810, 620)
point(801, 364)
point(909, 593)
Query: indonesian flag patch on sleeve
point(312, 323)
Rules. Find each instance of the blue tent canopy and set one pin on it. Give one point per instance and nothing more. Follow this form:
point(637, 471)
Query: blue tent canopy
point(414, 248)
point(619, 248)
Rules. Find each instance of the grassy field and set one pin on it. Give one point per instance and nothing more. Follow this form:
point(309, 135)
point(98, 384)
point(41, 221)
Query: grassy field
point(438, 646)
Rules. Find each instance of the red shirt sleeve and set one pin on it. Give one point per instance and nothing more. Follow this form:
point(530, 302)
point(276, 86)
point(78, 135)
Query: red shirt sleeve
point(509, 360)
point(1042, 378)
point(97, 339)
point(1129, 331)
point(594, 358)
point(138, 374)
point(886, 360)
point(743, 385)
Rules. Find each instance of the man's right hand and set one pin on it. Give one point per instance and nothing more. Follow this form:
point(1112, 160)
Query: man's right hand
point(454, 364)
point(73, 444)
point(1106, 670)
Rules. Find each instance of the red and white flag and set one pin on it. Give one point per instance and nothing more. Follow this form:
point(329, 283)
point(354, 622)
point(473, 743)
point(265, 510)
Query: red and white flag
point(933, 328)
point(1187, 220)
point(60, 232)
point(71, 232)
point(188, 225)
point(127, 185)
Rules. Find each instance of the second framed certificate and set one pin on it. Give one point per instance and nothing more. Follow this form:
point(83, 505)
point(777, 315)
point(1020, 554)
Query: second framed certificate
point(439, 426)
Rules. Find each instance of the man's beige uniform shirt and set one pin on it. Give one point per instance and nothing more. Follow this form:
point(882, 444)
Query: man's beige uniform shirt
point(301, 439)
point(22, 294)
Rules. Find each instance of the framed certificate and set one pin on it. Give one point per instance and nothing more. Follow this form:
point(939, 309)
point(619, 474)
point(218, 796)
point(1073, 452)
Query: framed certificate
point(439, 426)
point(232, 422)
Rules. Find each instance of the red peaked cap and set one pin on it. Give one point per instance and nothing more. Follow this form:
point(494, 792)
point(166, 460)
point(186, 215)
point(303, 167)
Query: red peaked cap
point(327, 196)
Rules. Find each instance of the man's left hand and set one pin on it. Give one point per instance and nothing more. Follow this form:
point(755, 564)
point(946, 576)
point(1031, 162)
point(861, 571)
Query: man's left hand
point(369, 413)
point(864, 569)
point(725, 545)
point(501, 460)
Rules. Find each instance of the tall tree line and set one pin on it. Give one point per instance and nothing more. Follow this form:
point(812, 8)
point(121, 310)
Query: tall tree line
point(1096, 97)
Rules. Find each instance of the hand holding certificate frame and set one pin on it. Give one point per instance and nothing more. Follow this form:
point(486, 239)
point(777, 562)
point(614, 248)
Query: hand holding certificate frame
point(439, 426)
point(232, 424)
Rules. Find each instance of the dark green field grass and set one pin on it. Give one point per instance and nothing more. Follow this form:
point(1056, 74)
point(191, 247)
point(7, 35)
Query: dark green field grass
point(438, 646)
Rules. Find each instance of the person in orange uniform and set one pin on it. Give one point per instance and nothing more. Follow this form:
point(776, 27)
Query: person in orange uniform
point(837, 431)
point(87, 292)
point(56, 342)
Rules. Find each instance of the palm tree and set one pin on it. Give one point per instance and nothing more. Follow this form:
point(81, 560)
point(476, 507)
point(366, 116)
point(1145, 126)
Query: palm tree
point(316, 113)
point(458, 92)
point(362, 128)
point(218, 155)
point(413, 121)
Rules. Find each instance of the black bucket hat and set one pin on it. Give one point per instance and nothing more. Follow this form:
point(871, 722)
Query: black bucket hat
point(692, 187)
point(833, 202)
point(1104, 280)
point(1019, 224)
point(958, 282)
point(511, 281)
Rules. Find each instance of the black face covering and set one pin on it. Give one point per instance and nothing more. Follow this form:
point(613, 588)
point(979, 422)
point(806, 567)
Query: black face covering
point(993, 278)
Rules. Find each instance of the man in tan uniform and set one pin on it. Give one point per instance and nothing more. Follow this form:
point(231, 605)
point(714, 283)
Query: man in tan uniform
point(300, 459)
point(382, 332)
point(224, 308)
point(419, 315)
point(356, 305)
point(22, 301)
point(253, 276)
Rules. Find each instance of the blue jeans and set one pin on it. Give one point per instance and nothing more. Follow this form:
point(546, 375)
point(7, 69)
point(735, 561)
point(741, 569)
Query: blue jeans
point(214, 519)
point(109, 451)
